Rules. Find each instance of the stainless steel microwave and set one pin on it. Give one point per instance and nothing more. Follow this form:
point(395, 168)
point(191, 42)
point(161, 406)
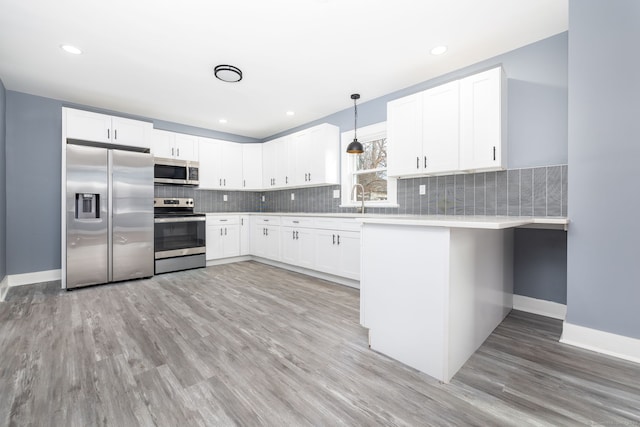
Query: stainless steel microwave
point(175, 171)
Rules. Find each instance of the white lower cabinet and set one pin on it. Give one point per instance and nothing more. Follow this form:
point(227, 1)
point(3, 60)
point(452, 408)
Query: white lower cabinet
point(265, 237)
point(298, 246)
point(245, 235)
point(327, 245)
point(223, 236)
point(338, 253)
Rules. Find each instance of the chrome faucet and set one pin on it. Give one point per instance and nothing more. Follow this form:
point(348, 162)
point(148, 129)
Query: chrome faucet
point(355, 189)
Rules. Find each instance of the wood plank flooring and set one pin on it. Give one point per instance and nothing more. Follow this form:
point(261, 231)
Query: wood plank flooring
point(249, 344)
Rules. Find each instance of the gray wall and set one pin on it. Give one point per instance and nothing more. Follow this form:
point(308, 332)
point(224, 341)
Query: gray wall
point(537, 102)
point(3, 185)
point(604, 123)
point(33, 183)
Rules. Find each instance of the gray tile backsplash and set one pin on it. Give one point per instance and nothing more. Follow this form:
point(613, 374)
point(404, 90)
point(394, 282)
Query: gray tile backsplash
point(538, 191)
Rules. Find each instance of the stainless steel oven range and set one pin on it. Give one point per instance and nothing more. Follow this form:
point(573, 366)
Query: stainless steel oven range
point(179, 235)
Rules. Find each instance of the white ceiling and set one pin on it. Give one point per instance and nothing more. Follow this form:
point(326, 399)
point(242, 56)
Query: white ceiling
point(155, 58)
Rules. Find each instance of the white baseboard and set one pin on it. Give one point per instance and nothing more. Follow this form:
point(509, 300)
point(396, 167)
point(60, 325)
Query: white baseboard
point(4, 287)
point(602, 342)
point(35, 277)
point(541, 307)
point(229, 260)
point(313, 273)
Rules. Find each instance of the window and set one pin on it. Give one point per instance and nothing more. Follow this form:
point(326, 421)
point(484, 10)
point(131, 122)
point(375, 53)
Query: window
point(368, 169)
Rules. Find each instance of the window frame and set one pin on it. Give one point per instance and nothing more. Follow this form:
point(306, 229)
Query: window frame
point(365, 134)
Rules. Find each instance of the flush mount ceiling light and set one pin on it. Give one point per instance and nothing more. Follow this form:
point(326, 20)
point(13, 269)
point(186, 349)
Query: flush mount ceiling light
point(438, 50)
point(354, 146)
point(70, 49)
point(228, 73)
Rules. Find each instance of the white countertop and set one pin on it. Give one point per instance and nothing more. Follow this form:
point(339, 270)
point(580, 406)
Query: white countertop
point(452, 221)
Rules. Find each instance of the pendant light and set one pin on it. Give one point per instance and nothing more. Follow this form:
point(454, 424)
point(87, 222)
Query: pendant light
point(355, 147)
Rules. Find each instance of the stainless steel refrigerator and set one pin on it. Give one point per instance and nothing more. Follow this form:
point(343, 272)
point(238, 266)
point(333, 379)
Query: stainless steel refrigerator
point(109, 215)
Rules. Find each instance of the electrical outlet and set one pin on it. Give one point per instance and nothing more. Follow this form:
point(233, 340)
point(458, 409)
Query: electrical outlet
point(336, 194)
point(293, 196)
point(264, 199)
point(423, 189)
point(224, 198)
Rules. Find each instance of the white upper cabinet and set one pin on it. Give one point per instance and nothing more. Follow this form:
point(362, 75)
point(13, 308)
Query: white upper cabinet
point(220, 164)
point(172, 145)
point(441, 128)
point(483, 121)
point(89, 126)
point(251, 166)
point(404, 136)
point(317, 156)
point(308, 157)
point(458, 126)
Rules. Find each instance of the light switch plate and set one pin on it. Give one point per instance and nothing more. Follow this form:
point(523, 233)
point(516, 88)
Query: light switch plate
point(293, 196)
point(224, 197)
point(423, 189)
point(336, 194)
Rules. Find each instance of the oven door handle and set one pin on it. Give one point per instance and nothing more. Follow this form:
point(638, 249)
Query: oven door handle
point(180, 219)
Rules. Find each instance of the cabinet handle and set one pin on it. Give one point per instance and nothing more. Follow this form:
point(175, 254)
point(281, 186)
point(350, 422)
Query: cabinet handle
point(338, 239)
point(418, 162)
point(494, 153)
point(286, 179)
point(241, 221)
point(178, 151)
point(297, 235)
point(309, 176)
point(108, 134)
point(293, 235)
point(296, 222)
point(267, 230)
point(263, 233)
point(334, 239)
point(221, 231)
point(223, 220)
point(172, 151)
point(220, 182)
point(425, 162)
point(115, 134)
point(225, 182)
point(225, 231)
point(244, 183)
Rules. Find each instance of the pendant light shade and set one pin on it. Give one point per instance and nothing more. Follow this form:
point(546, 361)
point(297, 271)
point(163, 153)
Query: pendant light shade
point(355, 147)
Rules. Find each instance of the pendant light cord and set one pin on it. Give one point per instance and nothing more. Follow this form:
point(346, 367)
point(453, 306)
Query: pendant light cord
point(355, 119)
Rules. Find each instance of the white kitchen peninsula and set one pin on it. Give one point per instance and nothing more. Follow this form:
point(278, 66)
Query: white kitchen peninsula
point(432, 289)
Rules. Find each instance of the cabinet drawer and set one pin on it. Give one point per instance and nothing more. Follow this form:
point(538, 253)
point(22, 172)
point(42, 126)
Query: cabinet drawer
point(267, 220)
point(346, 224)
point(222, 219)
point(297, 221)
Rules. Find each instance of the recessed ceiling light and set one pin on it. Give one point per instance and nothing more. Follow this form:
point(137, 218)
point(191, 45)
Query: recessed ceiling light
point(290, 113)
point(228, 73)
point(223, 121)
point(438, 50)
point(70, 49)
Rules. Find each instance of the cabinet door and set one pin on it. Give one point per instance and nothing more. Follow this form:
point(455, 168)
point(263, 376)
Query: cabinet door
point(440, 128)
point(162, 144)
point(327, 254)
point(252, 166)
point(286, 156)
point(404, 133)
point(186, 147)
point(209, 172)
point(349, 254)
point(321, 156)
point(231, 164)
point(269, 163)
point(272, 243)
point(258, 239)
point(87, 126)
point(306, 242)
point(231, 239)
point(132, 133)
point(481, 121)
point(289, 246)
point(245, 235)
point(215, 242)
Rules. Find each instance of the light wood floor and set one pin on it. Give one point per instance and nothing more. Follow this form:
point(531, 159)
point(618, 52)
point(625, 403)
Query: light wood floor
point(249, 344)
